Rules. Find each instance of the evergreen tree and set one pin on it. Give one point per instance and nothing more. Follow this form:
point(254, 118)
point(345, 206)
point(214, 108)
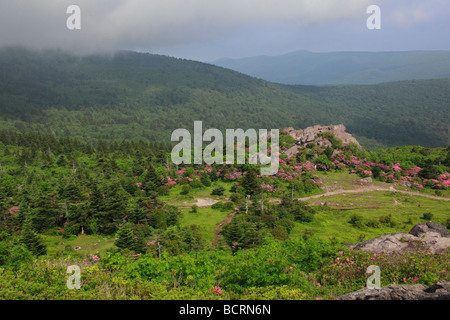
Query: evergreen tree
point(253, 235)
point(62, 161)
point(233, 232)
point(251, 183)
point(125, 237)
point(152, 181)
point(32, 240)
point(173, 218)
point(429, 171)
point(109, 207)
point(213, 174)
point(70, 189)
point(205, 180)
point(44, 212)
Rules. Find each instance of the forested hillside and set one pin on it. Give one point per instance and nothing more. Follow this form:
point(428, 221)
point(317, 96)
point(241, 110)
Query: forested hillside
point(137, 96)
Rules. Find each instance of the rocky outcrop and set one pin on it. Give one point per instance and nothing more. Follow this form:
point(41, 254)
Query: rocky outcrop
point(430, 236)
point(423, 228)
point(312, 135)
point(438, 291)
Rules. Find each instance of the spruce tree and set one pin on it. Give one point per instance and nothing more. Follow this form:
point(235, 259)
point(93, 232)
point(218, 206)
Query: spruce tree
point(62, 161)
point(32, 240)
point(251, 183)
point(152, 180)
point(205, 180)
point(125, 237)
point(109, 207)
point(233, 232)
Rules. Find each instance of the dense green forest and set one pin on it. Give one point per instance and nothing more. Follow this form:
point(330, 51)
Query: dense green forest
point(136, 96)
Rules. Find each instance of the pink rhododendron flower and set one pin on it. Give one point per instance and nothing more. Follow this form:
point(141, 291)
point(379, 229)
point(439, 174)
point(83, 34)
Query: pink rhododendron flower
point(14, 210)
point(396, 167)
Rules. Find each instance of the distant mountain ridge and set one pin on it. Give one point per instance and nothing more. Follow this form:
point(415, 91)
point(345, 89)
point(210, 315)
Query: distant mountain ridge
point(319, 68)
point(134, 96)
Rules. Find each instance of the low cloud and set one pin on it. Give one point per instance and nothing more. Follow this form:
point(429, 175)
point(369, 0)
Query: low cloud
point(156, 24)
point(410, 16)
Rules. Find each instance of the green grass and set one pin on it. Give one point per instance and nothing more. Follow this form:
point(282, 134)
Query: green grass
point(343, 180)
point(332, 220)
point(206, 218)
point(175, 197)
point(88, 244)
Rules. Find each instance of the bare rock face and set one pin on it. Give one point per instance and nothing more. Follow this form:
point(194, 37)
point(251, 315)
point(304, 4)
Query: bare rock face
point(310, 134)
point(438, 291)
point(365, 180)
point(430, 236)
point(420, 229)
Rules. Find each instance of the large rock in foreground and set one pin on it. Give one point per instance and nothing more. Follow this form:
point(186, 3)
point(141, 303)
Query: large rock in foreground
point(430, 236)
point(438, 291)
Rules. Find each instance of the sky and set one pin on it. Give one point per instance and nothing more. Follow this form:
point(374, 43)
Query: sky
point(206, 30)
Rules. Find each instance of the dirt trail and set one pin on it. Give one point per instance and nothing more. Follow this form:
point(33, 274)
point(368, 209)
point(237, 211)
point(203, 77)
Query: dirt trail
point(364, 189)
point(201, 203)
point(220, 226)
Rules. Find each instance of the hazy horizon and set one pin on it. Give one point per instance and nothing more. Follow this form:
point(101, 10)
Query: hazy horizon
point(207, 30)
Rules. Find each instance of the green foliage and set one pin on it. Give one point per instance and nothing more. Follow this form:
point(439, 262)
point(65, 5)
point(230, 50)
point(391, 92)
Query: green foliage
point(186, 189)
point(138, 96)
point(347, 269)
point(205, 180)
point(300, 269)
point(219, 191)
point(297, 209)
point(181, 240)
point(286, 141)
point(336, 142)
point(356, 220)
point(251, 183)
point(274, 263)
point(126, 238)
point(324, 160)
point(223, 206)
point(13, 253)
point(427, 216)
point(32, 240)
point(236, 197)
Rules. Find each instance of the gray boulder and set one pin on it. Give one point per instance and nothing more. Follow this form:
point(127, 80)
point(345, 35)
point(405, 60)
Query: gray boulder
point(438, 291)
point(421, 229)
point(432, 237)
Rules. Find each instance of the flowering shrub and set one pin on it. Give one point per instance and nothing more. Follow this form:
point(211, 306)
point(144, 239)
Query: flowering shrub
point(233, 176)
point(394, 173)
point(13, 210)
point(367, 173)
point(347, 269)
point(270, 188)
point(170, 182)
point(92, 258)
point(216, 290)
point(396, 167)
